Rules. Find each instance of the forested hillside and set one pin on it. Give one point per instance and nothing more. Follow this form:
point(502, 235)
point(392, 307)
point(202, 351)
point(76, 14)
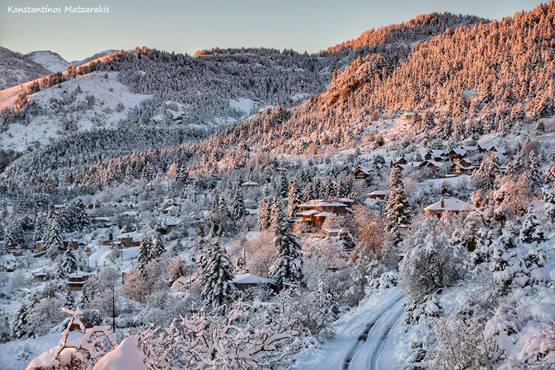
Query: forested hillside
point(452, 91)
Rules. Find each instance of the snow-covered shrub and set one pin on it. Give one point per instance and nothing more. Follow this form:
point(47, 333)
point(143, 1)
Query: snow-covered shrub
point(73, 354)
point(210, 342)
point(507, 262)
point(531, 230)
point(431, 261)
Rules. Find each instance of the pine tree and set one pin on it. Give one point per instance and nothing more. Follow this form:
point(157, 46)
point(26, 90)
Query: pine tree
point(20, 323)
point(397, 214)
point(182, 176)
point(145, 254)
point(328, 188)
point(293, 198)
point(283, 186)
point(549, 203)
point(81, 219)
point(67, 264)
point(238, 205)
point(506, 264)
point(531, 231)
point(217, 276)
point(289, 263)
point(53, 241)
point(309, 193)
point(515, 167)
point(158, 248)
point(535, 175)
point(485, 175)
point(69, 301)
point(550, 174)
point(264, 220)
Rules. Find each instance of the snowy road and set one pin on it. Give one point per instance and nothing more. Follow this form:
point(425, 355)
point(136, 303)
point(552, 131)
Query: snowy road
point(364, 340)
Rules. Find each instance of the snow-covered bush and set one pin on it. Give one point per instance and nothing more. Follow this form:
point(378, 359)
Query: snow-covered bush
point(431, 261)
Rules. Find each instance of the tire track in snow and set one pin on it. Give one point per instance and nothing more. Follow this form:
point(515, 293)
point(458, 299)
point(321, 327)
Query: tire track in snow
point(363, 337)
point(377, 351)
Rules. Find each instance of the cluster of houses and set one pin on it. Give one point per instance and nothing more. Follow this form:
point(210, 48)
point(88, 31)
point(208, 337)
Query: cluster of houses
point(460, 160)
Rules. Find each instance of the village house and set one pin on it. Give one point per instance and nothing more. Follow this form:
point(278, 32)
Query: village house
point(362, 172)
point(378, 194)
point(460, 168)
point(248, 281)
point(169, 206)
point(457, 154)
point(315, 212)
point(76, 281)
point(437, 155)
point(432, 165)
point(399, 161)
point(333, 231)
point(449, 206)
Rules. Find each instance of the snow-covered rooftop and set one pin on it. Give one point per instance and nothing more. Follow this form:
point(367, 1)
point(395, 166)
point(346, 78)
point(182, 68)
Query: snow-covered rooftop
point(450, 204)
point(249, 278)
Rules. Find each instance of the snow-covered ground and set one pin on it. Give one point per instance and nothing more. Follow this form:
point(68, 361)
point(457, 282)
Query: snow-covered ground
point(49, 60)
point(110, 103)
point(363, 337)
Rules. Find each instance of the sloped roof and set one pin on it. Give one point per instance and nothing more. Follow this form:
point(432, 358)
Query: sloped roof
point(364, 169)
point(249, 278)
point(450, 204)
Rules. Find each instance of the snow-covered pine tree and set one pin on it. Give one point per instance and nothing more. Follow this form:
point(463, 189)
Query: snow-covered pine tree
point(328, 188)
point(485, 175)
point(158, 248)
point(550, 174)
point(182, 176)
point(283, 186)
point(53, 242)
point(289, 263)
point(145, 254)
point(67, 264)
point(515, 167)
point(317, 188)
point(264, 220)
point(397, 211)
point(20, 325)
point(506, 264)
point(69, 300)
point(80, 216)
point(217, 276)
point(535, 175)
point(238, 210)
point(293, 198)
point(531, 230)
point(484, 245)
point(549, 202)
point(309, 192)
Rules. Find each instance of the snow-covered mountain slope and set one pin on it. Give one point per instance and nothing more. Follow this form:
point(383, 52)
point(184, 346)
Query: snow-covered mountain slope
point(16, 68)
point(49, 60)
point(92, 101)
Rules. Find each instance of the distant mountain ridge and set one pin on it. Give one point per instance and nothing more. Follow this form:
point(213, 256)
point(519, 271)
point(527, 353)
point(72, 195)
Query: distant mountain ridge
point(49, 60)
point(16, 68)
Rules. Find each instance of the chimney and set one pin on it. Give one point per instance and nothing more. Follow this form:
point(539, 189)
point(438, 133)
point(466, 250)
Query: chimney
point(442, 203)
